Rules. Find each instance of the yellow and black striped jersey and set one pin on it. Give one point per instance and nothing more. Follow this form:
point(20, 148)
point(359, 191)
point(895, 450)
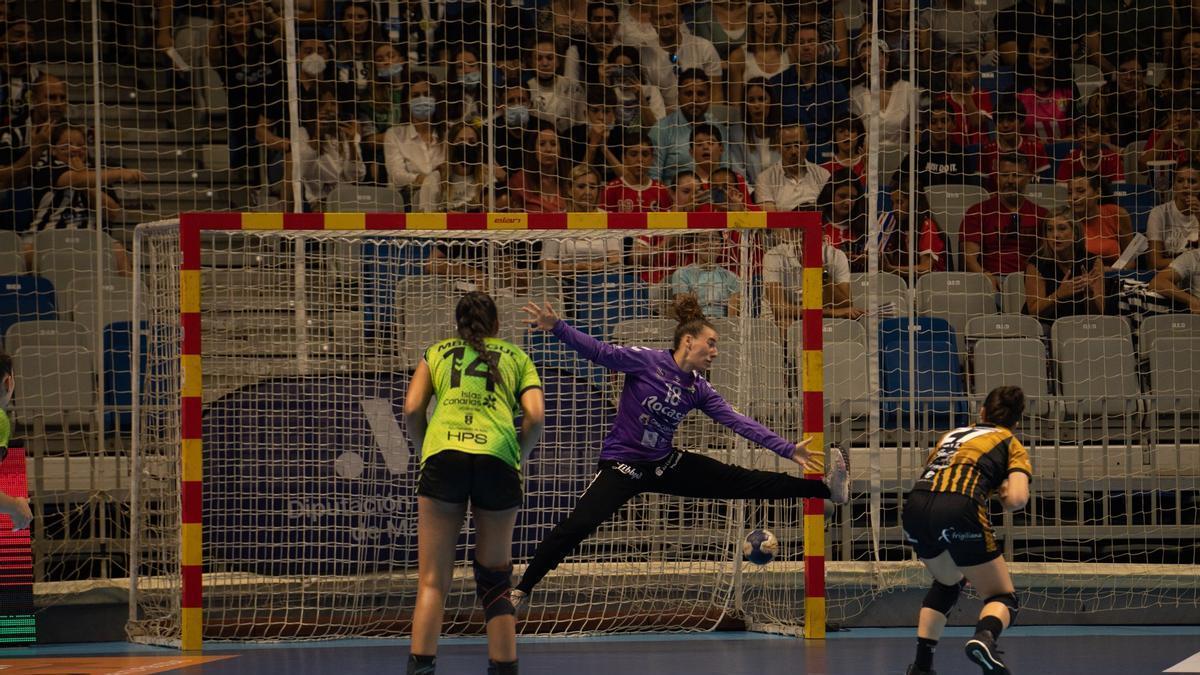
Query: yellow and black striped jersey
point(974, 461)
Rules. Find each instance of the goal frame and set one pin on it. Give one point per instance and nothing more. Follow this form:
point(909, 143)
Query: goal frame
point(192, 225)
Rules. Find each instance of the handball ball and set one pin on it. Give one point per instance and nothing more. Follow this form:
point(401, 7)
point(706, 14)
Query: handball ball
point(760, 547)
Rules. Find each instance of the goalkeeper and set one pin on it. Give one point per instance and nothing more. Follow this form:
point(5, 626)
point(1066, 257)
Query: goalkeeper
point(470, 451)
point(661, 388)
point(16, 508)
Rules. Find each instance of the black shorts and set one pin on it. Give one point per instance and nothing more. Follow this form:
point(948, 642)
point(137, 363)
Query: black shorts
point(945, 521)
point(456, 477)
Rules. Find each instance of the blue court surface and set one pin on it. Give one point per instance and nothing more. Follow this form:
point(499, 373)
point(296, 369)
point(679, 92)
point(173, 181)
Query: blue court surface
point(1036, 650)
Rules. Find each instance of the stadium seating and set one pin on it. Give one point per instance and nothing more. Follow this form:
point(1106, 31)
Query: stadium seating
point(1097, 372)
point(25, 298)
point(948, 204)
point(956, 297)
point(933, 389)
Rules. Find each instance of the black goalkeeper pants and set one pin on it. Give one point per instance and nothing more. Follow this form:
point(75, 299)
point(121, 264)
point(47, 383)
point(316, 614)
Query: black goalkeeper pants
point(683, 474)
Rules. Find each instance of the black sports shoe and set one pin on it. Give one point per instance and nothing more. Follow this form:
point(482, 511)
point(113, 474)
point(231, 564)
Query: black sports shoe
point(982, 651)
point(914, 670)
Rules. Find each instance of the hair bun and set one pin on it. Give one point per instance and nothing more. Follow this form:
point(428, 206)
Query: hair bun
point(686, 308)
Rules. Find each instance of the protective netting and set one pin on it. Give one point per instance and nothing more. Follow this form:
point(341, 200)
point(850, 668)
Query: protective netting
point(309, 512)
point(938, 139)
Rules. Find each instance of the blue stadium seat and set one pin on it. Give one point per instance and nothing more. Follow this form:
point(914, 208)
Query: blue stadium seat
point(384, 263)
point(118, 374)
point(25, 297)
point(937, 382)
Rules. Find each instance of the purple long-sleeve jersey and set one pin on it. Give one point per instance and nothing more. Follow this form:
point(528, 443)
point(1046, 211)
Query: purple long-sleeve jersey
point(658, 394)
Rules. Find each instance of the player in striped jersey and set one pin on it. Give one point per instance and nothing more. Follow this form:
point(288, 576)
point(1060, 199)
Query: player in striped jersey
point(638, 455)
point(470, 452)
point(946, 520)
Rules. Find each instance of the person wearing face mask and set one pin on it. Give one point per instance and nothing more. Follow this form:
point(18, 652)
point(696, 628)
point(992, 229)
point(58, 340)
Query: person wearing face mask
point(414, 152)
point(16, 508)
point(273, 130)
point(465, 87)
point(464, 187)
point(513, 131)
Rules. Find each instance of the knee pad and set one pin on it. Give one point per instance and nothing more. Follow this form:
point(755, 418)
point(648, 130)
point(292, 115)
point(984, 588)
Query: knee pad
point(1010, 601)
point(941, 598)
point(492, 587)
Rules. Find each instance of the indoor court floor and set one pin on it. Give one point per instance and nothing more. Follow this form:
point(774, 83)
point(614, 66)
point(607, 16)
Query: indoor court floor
point(1034, 650)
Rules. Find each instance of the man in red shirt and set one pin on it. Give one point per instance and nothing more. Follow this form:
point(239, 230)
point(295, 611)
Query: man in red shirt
point(1000, 233)
point(1009, 140)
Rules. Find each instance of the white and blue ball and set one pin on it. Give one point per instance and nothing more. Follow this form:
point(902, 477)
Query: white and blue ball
point(760, 547)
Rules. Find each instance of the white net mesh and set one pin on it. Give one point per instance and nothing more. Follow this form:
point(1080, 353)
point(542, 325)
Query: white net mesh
point(930, 117)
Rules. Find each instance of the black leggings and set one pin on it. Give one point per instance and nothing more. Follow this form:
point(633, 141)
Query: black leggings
point(683, 474)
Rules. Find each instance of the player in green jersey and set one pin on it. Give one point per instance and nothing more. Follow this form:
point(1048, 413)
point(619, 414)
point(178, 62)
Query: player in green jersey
point(15, 507)
point(470, 451)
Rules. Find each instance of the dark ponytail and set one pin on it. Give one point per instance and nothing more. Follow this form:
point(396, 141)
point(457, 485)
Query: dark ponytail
point(476, 318)
point(1004, 406)
point(686, 310)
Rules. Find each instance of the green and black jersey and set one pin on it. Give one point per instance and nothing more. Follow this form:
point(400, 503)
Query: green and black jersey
point(476, 407)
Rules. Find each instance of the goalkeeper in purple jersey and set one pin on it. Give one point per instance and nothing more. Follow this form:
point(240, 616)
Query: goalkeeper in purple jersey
point(661, 388)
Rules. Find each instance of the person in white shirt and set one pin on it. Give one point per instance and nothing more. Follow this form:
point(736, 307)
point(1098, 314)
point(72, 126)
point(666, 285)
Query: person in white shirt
point(415, 152)
point(783, 281)
point(793, 181)
point(637, 24)
point(1172, 227)
point(676, 50)
point(895, 97)
point(765, 53)
point(557, 98)
point(1180, 281)
point(329, 152)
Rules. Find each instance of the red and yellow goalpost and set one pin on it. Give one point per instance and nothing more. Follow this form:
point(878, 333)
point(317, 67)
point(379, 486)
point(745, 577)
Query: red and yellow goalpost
point(192, 453)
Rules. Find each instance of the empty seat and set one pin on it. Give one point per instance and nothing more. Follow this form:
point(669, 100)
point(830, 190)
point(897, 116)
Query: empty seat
point(847, 387)
point(352, 198)
point(932, 386)
point(545, 289)
point(55, 385)
point(94, 314)
point(1165, 325)
point(948, 204)
point(832, 330)
point(1175, 380)
point(1012, 294)
point(1013, 361)
point(25, 298)
point(47, 333)
point(115, 289)
point(653, 332)
point(1138, 201)
point(62, 254)
point(956, 297)
point(892, 288)
point(1002, 326)
point(1049, 196)
point(1098, 373)
point(601, 301)
point(118, 374)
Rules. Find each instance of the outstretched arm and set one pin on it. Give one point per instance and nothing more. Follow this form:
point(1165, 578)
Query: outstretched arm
point(622, 359)
point(716, 407)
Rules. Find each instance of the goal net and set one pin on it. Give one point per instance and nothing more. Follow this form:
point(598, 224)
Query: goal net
point(308, 342)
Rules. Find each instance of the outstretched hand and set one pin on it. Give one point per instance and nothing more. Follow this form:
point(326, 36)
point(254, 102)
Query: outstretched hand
point(543, 316)
point(802, 456)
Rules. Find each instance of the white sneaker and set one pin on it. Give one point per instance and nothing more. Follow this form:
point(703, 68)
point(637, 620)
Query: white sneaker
point(838, 476)
point(518, 599)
